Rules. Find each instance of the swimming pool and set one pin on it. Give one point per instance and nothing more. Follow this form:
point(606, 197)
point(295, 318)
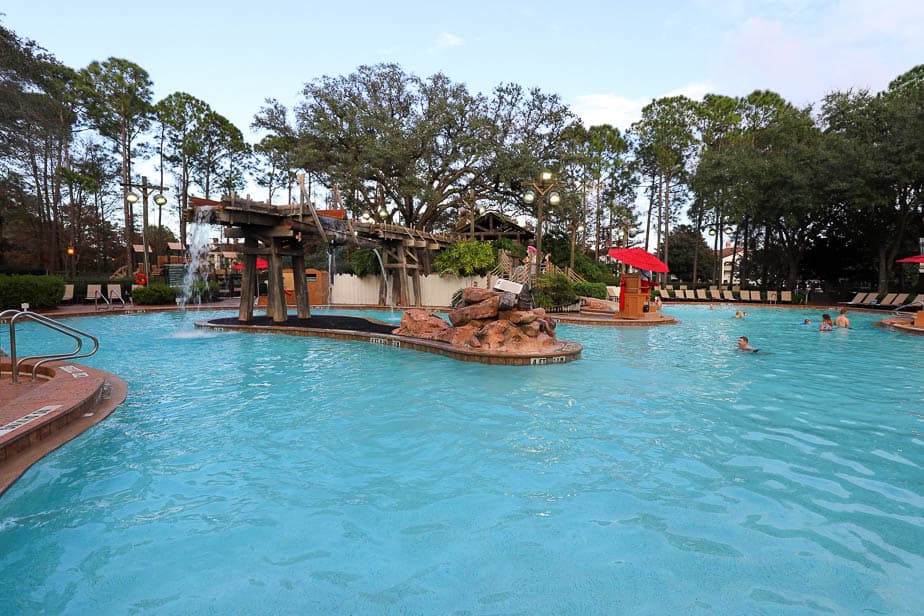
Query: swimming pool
point(662, 473)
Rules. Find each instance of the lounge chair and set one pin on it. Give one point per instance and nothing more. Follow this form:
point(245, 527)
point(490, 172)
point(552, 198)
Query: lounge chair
point(68, 293)
point(728, 296)
point(715, 295)
point(701, 295)
point(690, 294)
point(888, 300)
point(856, 298)
point(114, 293)
point(785, 297)
point(870, 300)
point(755, 296)
point(612, 293)
point(745, 295)
point(771, 297)
point(900, 299)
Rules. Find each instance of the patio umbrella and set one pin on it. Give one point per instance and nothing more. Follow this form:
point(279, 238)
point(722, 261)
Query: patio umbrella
point(639, 258)
point(914, 259)
point(262, 264)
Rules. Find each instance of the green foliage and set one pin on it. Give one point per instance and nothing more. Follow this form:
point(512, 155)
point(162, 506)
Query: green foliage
point(154, 294)
point(37, 291)
point(591, 289)
point(465, 259)
point(365, 263)
point(684, 243)
point(553, 291)
point(200, 291)
point(516, 250)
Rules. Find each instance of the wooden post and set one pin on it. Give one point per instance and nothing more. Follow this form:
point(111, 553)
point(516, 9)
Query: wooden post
point(277, 290)
point(401, 274)
point(248, 281)
point(302, 299)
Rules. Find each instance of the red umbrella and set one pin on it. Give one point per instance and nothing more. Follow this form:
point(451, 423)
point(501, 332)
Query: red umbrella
point(639, 258)
point(914, 259)
point(261, 264)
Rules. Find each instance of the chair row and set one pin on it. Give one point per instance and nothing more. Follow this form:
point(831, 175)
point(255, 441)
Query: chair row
point(96, 294)
point(889, 300)
point(716, 295)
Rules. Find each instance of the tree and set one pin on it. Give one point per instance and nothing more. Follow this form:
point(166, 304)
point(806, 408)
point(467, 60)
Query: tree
point(688, 247)
point(181, 117)
point(665, 141)
point(116, 99)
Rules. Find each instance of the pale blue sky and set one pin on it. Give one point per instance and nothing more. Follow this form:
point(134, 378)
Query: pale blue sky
point(606, 59)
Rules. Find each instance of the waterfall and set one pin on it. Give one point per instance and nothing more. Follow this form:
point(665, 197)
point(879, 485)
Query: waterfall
point(198, 238)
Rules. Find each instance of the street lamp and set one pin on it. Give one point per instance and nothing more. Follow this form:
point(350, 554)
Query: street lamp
point(132, 198)
point(574, 232)
point(540, 191)
point(470, 204)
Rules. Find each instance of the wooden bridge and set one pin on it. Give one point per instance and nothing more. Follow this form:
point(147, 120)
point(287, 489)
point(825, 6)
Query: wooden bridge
point(274, 232)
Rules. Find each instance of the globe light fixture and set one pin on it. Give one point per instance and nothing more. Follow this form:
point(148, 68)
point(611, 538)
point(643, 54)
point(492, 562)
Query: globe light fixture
point(159, 199)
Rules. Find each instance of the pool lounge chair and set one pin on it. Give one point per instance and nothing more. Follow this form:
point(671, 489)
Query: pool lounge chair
point(715, 295)
point(785, 297)
point(755, 296)
point(690, 294)
point(728, 296)
point(856, 298)
point(870, 300)
point(745, 295)
point(894, 299)
point(701, 295)
point(771, 297)
point(68, 293)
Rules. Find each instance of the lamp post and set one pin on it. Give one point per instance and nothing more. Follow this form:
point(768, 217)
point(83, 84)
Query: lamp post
point(71, 270)
point(574, 232)
point(537, 192)
point(470, 202)
point(159, 199)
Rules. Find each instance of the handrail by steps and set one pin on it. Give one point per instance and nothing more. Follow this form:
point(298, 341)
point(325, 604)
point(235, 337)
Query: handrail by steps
point(14, 315)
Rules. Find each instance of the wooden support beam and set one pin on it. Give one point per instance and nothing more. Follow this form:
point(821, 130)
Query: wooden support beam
point(302, 300)
point(277, 296)
point(248, 284)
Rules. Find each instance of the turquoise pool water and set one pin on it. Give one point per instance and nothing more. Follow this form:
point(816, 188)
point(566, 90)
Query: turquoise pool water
point(663, 473)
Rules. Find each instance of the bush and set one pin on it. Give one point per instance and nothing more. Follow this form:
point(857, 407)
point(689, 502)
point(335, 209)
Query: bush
point(154, 294)
point(553, 291)
point(591, 289)
point(465, 259)
point(516, 250)
point(365, 263)
point(200, 291)
point(37, 291)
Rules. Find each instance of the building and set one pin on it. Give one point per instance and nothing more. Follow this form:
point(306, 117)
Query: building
point(730, 258)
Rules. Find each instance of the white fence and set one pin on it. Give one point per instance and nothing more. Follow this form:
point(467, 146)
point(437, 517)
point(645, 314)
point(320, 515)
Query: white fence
point(435, 290)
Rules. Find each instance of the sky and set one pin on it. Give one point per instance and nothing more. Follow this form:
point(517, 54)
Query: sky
point(606, 59)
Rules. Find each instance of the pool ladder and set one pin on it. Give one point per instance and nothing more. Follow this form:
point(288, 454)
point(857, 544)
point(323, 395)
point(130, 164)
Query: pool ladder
point(905, 315)
point(14, 316)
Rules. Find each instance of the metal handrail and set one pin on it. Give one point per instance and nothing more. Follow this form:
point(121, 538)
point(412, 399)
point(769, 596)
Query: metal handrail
point(905, 315)
point(14, 315)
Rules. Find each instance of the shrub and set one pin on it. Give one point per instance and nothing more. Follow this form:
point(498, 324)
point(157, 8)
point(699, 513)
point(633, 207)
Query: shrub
point(516, 250)
point(37, 291)
point(591, 289)
point(465, 259)
point(364, 263)
point(154, 294)
point(553, 291)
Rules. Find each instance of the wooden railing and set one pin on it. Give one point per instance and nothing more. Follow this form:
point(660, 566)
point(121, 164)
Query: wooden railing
point(511, 269)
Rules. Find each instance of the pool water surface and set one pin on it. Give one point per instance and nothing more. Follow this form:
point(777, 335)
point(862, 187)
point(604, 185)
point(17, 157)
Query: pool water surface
point(662, 473)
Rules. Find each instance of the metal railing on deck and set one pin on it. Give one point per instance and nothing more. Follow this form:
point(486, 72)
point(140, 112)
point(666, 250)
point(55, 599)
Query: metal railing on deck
point(14, 316)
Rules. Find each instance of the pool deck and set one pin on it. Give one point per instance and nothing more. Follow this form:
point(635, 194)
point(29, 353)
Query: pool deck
point(38, 416)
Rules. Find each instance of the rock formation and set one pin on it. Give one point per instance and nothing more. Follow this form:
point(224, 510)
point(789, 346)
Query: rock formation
point(486, 320)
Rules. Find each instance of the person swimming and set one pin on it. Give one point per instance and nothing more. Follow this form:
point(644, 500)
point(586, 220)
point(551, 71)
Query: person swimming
point(826, 323)
point(744, 346)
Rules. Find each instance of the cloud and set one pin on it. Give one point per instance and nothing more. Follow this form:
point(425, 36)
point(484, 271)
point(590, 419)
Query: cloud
point(445, 40)
point(844, 44)
point(621, 111)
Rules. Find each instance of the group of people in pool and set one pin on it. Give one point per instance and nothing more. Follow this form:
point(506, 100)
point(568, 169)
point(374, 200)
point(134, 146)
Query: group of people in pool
point(827, 325)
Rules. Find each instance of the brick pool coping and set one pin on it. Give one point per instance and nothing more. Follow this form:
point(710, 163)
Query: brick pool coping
point(903, 326)
point(612, 319)
point(38, 417)
point(563, 353)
